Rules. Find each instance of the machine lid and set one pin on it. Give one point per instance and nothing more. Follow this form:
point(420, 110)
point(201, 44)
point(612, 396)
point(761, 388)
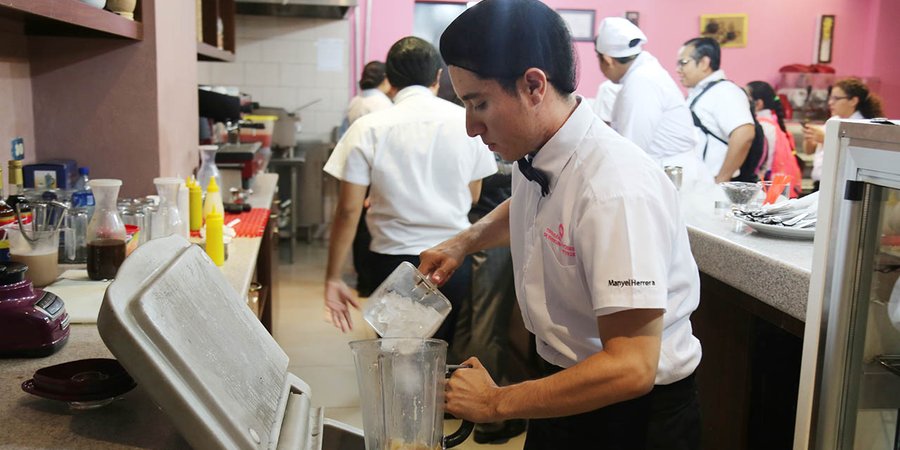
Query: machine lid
point(180, 329)
point(12, 273)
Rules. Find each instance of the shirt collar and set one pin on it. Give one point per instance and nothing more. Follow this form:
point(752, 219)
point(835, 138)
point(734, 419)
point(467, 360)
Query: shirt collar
point(374, 92)
point(555, 154)
point(715, 76)
point(765, 113)
point(412, 91)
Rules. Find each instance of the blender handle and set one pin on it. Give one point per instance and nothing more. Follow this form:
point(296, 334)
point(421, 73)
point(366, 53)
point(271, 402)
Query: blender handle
point(459, 436)
point(465, 428)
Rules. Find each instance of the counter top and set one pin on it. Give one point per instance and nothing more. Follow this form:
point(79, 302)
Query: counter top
point(131, 422)
point(774, 270)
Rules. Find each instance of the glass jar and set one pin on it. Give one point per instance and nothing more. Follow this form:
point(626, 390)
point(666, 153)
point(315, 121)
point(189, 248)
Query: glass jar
point(167, 220)
point(106, 232)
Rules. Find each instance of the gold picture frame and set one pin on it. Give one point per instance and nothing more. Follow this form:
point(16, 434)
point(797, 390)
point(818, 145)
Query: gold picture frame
point(729, 30)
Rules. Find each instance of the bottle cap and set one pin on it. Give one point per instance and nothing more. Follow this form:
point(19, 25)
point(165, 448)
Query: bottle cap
point(84, 171)
point(212, 186)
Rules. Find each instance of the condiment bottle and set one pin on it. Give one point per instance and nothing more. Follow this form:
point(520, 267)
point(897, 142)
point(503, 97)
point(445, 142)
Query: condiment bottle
point(17, 190)
point(195, 202)
point(215, 245)
point(7, 216)
point(213, 198)
point(105, 232)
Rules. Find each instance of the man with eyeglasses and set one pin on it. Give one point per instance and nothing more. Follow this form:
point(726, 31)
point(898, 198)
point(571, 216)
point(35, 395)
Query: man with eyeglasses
point(650, 110)
point(722, 115)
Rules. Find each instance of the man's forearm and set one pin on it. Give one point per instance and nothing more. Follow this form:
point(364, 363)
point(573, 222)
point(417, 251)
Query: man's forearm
point(343, 230)
point(489, 232)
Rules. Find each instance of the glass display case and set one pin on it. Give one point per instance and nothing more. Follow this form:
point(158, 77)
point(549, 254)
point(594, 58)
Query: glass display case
point(851, 360)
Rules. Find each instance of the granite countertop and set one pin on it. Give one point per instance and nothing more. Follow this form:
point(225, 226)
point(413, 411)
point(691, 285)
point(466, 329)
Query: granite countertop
point(774, 270)
point(130, 422)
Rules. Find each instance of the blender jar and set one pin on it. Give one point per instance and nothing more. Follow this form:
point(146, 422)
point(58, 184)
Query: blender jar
point(401, 392)
point(106, 232)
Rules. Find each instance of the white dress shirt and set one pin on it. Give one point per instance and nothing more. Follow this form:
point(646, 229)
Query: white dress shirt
point(418, 162)
point(721, 110)
point(368, 100)
point(606, 100)
point(651, 112)
point(608, 237)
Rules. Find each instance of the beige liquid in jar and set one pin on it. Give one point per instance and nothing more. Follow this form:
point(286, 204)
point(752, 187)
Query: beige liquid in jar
point(42, 267)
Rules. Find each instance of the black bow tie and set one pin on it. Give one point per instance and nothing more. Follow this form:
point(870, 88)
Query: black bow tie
point(532, 174)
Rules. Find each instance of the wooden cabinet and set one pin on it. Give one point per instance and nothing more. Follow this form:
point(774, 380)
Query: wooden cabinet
point(70, 18)
point(211, 44)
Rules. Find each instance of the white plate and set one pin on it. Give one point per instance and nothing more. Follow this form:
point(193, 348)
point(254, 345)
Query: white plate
point(781, 231)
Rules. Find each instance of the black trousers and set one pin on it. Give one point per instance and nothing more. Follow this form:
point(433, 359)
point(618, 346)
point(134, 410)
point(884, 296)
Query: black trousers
point(667, 418)
point(457, 289)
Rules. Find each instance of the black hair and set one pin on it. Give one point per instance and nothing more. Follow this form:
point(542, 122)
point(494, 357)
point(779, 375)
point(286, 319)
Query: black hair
point(706, 46)
point(372, 76)
point(412, 61)
point(869, 104)
point(760, 90)
point(501, 39)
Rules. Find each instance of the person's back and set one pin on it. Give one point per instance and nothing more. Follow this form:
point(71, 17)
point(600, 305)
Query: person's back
point(419, 161)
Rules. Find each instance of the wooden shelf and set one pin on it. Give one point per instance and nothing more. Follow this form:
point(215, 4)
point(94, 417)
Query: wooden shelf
point(70, 18)
point(206, 52)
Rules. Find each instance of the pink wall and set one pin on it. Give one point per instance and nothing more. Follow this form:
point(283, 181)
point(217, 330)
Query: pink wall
point(780, 33)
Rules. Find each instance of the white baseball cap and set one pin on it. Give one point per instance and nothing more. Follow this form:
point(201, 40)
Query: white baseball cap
point(618, 37)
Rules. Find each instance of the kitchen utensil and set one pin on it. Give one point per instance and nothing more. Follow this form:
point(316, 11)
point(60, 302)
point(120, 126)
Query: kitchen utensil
point(35, 243)
point(84, 384)
point(35, 323)
point(406, 304)
point(401, 391)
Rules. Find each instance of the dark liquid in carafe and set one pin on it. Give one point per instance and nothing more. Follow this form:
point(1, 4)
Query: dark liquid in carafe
point(104, 258)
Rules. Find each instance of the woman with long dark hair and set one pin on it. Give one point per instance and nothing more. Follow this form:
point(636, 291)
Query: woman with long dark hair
point(850, 98)
point(780, 143)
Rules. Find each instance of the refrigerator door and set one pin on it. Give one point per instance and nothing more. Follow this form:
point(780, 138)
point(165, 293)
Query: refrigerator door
point(851, 345)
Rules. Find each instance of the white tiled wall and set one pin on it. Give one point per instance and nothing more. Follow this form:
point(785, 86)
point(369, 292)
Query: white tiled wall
point(276, 63)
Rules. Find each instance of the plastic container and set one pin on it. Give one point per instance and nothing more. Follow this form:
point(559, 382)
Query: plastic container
point(406, 304)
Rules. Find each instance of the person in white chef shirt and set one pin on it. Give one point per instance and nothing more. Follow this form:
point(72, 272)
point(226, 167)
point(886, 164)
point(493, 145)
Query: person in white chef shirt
point(373, 95)
point(603, 269)
point(723, 109)
point(649, 110)
point(607, 93)
point(423, 174)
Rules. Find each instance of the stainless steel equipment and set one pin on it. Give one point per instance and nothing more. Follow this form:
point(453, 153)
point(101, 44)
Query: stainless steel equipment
point(850, 396)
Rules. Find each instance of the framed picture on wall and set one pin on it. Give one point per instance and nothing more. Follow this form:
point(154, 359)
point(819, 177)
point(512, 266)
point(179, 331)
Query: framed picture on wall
point(730, 30)
point(580, 22)
point(826, 38)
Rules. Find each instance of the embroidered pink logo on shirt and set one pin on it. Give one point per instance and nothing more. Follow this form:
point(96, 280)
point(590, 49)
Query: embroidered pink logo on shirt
point(556, 239)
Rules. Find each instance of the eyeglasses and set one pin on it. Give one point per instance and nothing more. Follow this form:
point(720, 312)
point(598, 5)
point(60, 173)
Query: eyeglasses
point(834, 98)
point(683, 62)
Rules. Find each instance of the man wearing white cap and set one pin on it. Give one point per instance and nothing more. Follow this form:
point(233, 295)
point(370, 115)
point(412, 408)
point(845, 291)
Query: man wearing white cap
point(650, 110)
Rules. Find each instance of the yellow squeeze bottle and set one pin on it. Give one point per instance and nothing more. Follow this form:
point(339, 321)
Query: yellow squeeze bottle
point(215, 246)
point(213, 198)
point(195, 202)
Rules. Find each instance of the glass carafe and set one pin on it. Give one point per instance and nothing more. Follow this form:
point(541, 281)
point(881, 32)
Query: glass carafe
point(401, 391)
point(208, 168)
point(167, 220)
point(105, 232)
